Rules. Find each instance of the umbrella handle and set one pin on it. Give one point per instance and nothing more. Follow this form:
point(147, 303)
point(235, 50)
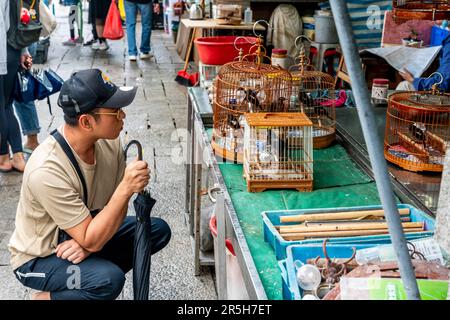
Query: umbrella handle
point(139, 147)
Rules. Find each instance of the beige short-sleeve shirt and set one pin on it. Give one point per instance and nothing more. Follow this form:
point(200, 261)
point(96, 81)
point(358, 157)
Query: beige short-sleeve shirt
point(51, 197)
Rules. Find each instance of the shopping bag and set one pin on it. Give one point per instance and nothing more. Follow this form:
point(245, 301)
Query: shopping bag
point(48, 20)
point(113, 25)
point(122, 9)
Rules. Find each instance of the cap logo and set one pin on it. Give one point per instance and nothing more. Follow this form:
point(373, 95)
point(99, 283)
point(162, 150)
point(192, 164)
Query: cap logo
point(106, 80)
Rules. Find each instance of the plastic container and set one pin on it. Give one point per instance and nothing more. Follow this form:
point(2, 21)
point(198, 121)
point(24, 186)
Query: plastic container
point(220, 50)
point(438, 35)
point(428, 247)
point(311, 251)
point(42, 51)
point(309, 27)
point(286, 290)
point(280, 58)
point(271, 219)
point(248, 16)
point(380, 88)
point(325, 29)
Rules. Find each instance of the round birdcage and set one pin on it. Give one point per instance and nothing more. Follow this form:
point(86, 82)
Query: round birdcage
point(405, 10)
point(247, 85)
point(313, 93)
point(417, 130)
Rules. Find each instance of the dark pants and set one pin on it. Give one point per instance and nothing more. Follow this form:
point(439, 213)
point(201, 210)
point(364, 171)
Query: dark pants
point(9, 127)
point(101, 276)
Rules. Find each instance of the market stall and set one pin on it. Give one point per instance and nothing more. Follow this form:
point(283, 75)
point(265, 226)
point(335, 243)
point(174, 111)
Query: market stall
point(280, 201)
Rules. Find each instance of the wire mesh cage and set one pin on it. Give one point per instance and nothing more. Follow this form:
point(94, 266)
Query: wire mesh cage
point(278, 151)
point(417, 130)
point(244, 86)
point(313, 94)
point(405, 10)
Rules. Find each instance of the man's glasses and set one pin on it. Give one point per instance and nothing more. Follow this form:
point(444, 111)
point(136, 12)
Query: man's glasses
point(119, 114)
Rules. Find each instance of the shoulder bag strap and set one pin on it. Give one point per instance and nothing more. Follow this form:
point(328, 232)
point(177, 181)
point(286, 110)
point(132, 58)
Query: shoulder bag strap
point(66, 148)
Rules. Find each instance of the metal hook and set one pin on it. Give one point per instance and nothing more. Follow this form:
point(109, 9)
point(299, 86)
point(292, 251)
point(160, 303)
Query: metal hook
point(241, 37)
point(300, 37)
point(442, 77)
point(139, 147)
point(256, 23)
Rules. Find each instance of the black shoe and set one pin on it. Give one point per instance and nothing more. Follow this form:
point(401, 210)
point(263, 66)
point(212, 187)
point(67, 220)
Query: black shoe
point(88, 43)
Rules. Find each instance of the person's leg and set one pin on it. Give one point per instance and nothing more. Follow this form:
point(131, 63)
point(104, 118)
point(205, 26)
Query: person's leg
point(91, 20)
point(71, 19)
point(78, 19)
point(29, 122)
point(130, 20)
point(119, 249)
point(146, 20)
point(92, 279)
point(5, 163)
point(13, 135)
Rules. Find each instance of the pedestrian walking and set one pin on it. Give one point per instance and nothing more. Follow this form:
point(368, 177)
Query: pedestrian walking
point(146, 8)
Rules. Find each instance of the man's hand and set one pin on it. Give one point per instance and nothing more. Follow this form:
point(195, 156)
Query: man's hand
point(71, 251)
point(156, 8)
point(26, 61)
point(407, 75)
point(136, 176)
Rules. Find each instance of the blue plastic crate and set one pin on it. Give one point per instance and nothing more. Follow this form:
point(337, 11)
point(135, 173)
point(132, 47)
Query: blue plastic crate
point(287, 292)
point(311, 251)
point(437, 36)
point(272, 219)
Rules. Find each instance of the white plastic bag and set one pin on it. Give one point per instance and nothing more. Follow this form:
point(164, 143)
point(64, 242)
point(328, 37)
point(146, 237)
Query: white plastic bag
point(48, 20)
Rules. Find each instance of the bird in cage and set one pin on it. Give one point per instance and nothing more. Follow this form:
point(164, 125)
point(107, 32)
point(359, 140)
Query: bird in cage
point(418, 130)
point(249, 96)
point(233, 122)
point(280, 102)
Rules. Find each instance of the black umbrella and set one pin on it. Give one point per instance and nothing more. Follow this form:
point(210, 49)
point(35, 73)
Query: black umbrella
point(143, 205)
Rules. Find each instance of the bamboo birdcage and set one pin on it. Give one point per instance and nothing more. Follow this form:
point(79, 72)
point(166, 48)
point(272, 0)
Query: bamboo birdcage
point(313, 93)
point(417, 130)
point(278, 151)
point(405, 10)
point(247, 85)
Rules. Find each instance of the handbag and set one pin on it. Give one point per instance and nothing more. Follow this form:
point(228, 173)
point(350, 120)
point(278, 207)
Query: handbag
point(113, 24)
point(48, 20)
point(22, 34)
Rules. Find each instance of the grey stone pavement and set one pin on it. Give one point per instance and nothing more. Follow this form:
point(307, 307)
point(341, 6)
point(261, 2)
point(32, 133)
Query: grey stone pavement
point(158, 110)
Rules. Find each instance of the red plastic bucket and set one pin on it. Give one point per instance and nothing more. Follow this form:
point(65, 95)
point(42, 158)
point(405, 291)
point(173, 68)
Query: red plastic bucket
point(220, 50)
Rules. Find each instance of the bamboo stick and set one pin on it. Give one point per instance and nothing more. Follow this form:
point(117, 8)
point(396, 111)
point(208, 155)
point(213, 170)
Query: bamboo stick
point(325, 234)
point(329, 222)
point(347, 226)
point(338, 215)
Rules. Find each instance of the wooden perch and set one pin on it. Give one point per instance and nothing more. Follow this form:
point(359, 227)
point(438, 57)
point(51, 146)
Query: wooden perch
point(338, 215)
point(417, 148)
point(436, 141)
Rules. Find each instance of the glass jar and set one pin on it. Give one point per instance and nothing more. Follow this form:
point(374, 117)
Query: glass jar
point(380, 88)
point(280, 58)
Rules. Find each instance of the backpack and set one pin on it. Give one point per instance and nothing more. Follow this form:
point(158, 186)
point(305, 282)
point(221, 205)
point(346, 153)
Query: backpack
point(22, 35)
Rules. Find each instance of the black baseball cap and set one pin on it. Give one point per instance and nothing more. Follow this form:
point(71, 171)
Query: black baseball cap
point(86, 90)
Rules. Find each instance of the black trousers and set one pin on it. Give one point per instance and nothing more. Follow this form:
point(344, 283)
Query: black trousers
point(101, 276)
